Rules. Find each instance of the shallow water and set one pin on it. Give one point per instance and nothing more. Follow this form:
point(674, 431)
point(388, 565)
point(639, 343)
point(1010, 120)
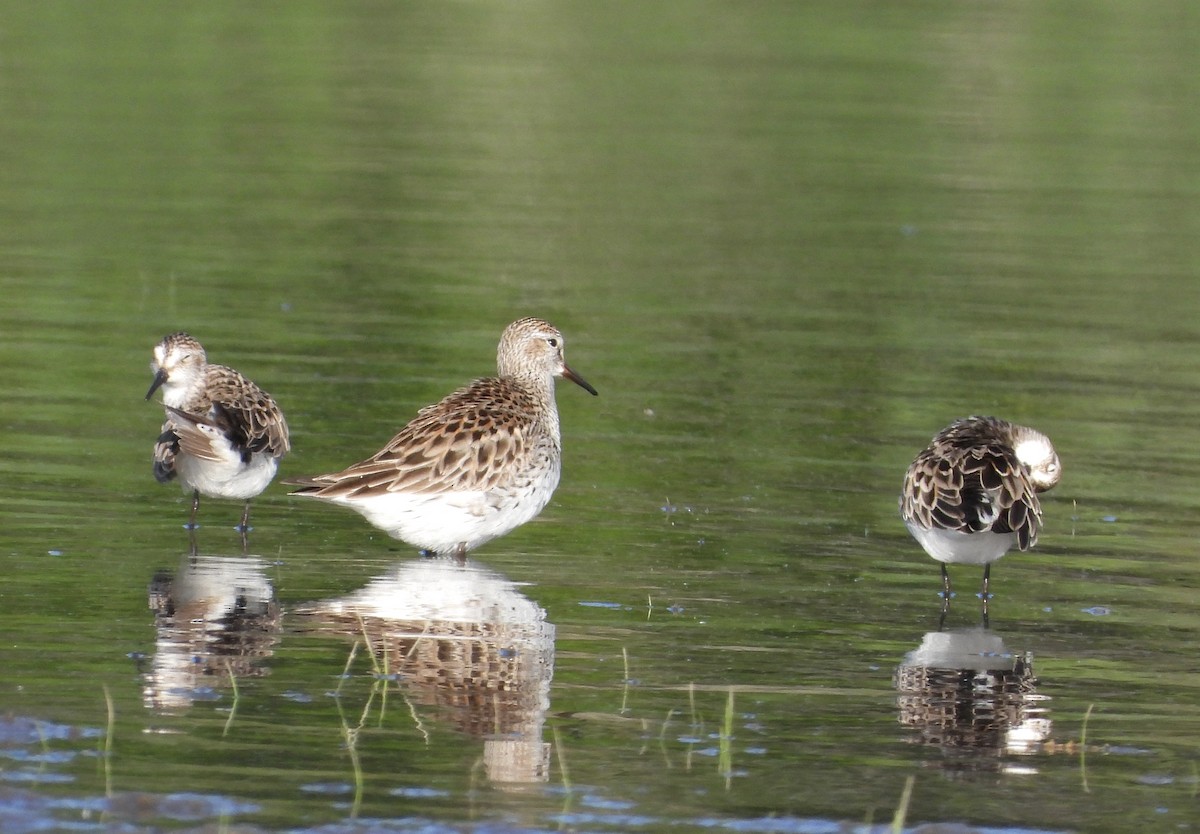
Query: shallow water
point(787, 244)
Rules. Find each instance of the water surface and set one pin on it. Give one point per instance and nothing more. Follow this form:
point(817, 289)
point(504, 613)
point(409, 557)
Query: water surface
point(786, 243)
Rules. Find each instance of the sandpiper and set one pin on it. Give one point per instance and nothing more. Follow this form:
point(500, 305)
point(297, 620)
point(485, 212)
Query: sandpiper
point(972, 494)
point(481, 462)
point(223, 436)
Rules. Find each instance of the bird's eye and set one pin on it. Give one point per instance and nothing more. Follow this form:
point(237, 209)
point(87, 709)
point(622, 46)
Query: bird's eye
point(553, 342)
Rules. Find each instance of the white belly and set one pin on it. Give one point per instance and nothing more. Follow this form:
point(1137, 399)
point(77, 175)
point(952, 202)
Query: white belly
point(441, 522)
point(963, 548)
point(228, 477)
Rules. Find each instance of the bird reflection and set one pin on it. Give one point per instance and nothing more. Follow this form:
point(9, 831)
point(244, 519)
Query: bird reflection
point(463, 639)
point(216, 618)
point(964, 692)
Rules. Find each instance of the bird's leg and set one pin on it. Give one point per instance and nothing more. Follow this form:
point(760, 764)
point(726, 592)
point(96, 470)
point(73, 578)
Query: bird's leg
point(460, 553)
point(191, 525)
point(985, 596)
point(946, 592)
point(244, 526)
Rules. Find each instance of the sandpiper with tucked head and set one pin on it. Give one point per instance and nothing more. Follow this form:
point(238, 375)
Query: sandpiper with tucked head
point(476, 465)
point(972, 494)
point(223, 436)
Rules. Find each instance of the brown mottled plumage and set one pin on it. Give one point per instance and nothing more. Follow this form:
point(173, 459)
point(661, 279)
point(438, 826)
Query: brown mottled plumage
point(473, 466)
point(472, 439)
point(223, 435)
point(972, 494)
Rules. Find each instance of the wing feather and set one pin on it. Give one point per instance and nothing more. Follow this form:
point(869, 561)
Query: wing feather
point(165, 450)
point(194, 435)
point(465, 442)
point(248, 415)
point(970, 480)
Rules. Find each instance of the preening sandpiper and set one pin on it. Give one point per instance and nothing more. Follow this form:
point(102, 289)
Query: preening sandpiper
point(972, 494)
point(223, 436)
point(475, 465)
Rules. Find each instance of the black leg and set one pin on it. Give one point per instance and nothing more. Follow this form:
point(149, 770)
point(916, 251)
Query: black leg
point(191, 525)
point(946, 593)
point(244, 527)
point(985, 596)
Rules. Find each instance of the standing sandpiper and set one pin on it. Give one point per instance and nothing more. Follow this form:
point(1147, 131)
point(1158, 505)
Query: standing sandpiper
point(481, 462)
point(223, 436)
point(972, 494)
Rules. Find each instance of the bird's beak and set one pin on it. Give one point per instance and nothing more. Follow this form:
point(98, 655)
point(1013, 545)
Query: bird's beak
point(578, 380)
point(159, 379)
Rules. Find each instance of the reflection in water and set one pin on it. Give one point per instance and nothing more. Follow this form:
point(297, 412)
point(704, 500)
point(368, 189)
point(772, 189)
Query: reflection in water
point(964, 692)
point(464, 639)
point(216, 618)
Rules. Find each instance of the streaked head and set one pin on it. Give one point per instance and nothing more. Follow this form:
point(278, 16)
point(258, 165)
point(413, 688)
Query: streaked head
point(1035, 451)
point(178, 362)
point(533, 348)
